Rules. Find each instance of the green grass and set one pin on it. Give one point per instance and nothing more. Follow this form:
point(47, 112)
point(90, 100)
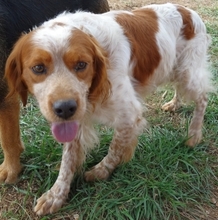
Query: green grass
point(164, 180)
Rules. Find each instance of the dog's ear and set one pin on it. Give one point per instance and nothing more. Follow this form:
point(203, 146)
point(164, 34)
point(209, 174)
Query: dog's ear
point(14, 69)
point(101, 87)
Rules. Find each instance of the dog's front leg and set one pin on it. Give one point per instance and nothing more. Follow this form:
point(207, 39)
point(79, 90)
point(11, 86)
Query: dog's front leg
point(10, 139)
point(121, 150)
point(53, 199)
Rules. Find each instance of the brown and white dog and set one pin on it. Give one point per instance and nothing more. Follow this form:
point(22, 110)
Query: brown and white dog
point(85, 68)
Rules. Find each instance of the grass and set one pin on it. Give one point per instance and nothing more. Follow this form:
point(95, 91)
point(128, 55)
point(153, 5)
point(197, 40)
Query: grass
point(164, 180)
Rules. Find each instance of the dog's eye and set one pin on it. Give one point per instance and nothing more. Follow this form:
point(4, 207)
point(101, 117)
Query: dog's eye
point(80, 66)
point(39, 69)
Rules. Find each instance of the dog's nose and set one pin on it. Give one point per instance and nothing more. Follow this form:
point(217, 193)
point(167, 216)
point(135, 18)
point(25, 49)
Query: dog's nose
point(65, 108)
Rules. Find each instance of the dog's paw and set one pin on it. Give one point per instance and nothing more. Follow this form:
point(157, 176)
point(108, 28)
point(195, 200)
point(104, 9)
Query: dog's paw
point(97, 173)
point(49, 203)
point(9, 173)
point(195, 138)
point(170, 106)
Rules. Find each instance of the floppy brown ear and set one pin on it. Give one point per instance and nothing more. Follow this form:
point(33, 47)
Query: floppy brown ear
point(101, 87)
point(13, 71)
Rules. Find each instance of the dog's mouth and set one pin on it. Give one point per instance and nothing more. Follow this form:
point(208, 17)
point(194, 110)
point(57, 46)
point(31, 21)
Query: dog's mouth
point(64, 131)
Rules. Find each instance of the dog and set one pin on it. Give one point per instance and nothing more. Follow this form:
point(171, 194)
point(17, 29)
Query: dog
point(16, 17)
point(85, 68)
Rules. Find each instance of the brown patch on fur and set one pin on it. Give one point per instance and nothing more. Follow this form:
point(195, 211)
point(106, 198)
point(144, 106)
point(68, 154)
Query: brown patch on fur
point(85, 48)
point(35, 57)
point(188, 30)
point(141, 28)
point(18, 70)
point(10, 140)
point(13, 70)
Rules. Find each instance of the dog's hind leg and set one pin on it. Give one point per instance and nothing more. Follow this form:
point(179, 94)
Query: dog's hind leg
point(10, 139)
point(200, 100)
point(195, 128)
point(174, 104)
point(194, 82)
point(194, 86)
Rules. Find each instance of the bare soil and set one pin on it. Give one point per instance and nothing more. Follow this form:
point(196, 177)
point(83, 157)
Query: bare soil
point(132, 4)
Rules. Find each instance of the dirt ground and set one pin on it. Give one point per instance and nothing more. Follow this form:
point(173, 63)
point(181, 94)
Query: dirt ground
point(132, 4)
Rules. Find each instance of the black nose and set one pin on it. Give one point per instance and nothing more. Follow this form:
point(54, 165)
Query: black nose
point(64, 108)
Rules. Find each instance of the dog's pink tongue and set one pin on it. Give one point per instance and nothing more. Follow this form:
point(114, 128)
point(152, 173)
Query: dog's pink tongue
point(65, 131)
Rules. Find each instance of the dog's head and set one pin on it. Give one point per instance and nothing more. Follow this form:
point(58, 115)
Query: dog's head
point(64, 68)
